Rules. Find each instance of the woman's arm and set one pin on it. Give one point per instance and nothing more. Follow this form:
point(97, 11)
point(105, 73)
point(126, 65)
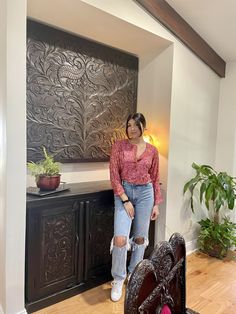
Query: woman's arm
point(154, 174)
point(116, 179)
point(115, 169)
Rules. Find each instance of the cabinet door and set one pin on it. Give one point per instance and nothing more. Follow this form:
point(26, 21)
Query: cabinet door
point(52, 248)
point(99, 215)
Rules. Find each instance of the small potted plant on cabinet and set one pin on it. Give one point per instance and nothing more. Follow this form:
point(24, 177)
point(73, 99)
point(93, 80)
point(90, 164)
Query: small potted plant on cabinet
point(46, 172)
point(217, 190)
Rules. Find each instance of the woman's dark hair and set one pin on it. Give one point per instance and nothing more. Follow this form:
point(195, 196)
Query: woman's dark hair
point(139, 121)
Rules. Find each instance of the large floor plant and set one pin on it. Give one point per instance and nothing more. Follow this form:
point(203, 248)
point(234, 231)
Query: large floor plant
point(217, 190)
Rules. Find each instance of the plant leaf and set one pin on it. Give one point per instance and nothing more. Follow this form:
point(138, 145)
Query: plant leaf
point(189, 185)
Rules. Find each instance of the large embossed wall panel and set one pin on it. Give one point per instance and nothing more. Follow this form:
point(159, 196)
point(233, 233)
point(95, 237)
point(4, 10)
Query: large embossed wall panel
point(79, 94)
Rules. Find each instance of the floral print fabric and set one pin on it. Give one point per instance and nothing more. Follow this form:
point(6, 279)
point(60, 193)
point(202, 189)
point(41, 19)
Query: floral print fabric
point(125, 166)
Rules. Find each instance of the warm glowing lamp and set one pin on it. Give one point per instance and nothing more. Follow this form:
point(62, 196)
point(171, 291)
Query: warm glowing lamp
point(151, 139)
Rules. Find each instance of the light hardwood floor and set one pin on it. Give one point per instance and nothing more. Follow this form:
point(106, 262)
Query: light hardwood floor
point(211, 289)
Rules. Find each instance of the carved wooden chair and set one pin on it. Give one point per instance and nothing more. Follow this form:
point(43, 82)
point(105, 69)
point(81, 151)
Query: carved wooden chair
point(158, 284)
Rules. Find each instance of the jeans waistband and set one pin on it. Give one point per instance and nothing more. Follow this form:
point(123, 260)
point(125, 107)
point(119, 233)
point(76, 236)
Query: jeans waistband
point(135, 184)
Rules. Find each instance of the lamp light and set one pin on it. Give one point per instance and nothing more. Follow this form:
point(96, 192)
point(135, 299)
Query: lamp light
point(151, 139)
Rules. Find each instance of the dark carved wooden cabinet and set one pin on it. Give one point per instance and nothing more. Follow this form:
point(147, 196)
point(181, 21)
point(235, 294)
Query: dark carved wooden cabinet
point(68, 242)
point(99, 224)
point(53, 234)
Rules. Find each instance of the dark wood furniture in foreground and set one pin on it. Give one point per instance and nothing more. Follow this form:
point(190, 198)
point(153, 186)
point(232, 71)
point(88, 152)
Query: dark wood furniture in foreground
point(68, 243)
point(160, 280)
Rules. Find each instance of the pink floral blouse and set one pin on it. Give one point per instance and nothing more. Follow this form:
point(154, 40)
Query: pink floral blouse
point(125, 166)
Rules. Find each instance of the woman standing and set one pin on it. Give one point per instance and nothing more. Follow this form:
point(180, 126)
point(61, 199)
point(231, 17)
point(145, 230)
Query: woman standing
point(134, 174)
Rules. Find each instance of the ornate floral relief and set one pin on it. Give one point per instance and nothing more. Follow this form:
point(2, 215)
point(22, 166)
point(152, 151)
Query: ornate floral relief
point(79, 94)
point(57, 251)
point(102, 217)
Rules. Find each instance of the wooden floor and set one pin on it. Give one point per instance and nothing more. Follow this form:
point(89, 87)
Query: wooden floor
point(211, 289)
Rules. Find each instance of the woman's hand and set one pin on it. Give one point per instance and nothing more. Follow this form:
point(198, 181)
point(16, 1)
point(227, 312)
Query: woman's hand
point(129, 209)
point(155, 212)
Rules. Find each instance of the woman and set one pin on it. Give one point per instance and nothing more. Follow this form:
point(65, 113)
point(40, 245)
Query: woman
point(134, 174)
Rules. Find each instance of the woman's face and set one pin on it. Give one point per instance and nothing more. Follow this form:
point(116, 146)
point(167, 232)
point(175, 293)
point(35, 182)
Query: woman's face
point(133, 130)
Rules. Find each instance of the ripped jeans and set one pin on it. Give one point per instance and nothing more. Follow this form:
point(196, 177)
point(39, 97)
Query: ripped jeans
point(142, 198)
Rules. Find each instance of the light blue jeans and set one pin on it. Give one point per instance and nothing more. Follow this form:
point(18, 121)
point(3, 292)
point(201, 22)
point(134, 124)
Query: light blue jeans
point(142, 198)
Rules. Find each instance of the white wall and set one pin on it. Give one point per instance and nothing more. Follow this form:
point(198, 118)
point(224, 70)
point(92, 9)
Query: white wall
point(226, 133)
point(193, 127)
point(3, 36)
point(154, 101)
point(80, 172)
point(13, 154)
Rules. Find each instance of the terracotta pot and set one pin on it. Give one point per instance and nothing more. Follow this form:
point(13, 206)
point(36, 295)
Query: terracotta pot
point(48, 183)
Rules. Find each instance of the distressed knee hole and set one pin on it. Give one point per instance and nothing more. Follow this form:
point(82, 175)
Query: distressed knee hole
point(120, 241)
point(139, 241)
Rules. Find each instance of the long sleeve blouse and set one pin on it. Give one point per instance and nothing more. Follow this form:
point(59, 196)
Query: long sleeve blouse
point(124, 165)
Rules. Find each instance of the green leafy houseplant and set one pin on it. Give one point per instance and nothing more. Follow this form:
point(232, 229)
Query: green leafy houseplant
point(217, 190)
point(46, 172)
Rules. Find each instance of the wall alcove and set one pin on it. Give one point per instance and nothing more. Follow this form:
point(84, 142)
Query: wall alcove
point(154, 78)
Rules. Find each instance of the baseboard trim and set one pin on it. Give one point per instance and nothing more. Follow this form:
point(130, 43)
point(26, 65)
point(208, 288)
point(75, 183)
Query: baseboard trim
point(191, 246)
point(22, 312)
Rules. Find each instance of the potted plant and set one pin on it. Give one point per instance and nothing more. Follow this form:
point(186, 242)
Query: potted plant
point(46, 172)
point(217, 190)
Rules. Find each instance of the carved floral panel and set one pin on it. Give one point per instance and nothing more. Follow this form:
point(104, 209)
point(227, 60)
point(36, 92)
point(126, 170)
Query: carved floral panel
point(102, 216)
point(57, 254)
point(79, 94)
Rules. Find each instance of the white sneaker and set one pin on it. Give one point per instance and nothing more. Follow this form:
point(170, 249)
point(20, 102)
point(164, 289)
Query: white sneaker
point(116, 290)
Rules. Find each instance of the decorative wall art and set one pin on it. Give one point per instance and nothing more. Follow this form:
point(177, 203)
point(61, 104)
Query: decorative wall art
point(79, 94)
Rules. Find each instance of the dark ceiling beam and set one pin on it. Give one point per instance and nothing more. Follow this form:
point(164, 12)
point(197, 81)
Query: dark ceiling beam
point(167, 16)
